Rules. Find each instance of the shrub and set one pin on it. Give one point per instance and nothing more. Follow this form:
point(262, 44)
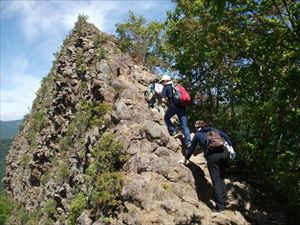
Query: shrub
point(25, 159)
point(106, 196)
point(88, 115)
point(81, 19)
point(5, 208)
point(101, 53)
point(63, 171)
point(106, 188)
point(100, 38)
point(22, 216)
point(37, 124)
point(50, 207)
point(81, 67)
point(108, 153)
point(45, 177)
point(78, 204)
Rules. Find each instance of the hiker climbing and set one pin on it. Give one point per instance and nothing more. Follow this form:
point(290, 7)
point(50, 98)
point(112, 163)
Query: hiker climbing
point(217, 148)
point(174, 109)
point(153, 95)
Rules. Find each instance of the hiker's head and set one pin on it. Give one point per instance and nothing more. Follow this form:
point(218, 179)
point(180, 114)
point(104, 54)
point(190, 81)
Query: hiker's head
point(155, 80)
point(165, 79)
point(200, 124)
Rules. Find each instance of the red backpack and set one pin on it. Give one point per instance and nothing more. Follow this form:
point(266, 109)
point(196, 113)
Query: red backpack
point(180, 95)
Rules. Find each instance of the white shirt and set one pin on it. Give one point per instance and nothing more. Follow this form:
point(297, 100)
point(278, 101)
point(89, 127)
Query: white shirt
point(158, 88)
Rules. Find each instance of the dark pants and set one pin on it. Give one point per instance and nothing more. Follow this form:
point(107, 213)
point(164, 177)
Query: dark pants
point(181, 113)
point(217, 163)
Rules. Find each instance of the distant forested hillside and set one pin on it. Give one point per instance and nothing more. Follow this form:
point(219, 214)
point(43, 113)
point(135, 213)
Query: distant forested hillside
point(4, 147)
point(8, 129)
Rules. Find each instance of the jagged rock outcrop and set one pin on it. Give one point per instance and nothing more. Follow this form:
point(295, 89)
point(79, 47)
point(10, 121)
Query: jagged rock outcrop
point(68, 149)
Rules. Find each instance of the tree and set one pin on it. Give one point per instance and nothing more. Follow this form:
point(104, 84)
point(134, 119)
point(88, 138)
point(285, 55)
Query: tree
point(141, 40)
point(244, 74)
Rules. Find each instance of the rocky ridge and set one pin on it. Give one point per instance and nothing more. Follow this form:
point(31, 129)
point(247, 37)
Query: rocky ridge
point(95, 91)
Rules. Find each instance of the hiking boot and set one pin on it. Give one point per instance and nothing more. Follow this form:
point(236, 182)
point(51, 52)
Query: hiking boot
point(218, 210)
point(174, 134)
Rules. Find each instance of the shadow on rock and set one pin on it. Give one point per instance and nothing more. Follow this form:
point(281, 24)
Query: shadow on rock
point(246, 200)
point(203, 187)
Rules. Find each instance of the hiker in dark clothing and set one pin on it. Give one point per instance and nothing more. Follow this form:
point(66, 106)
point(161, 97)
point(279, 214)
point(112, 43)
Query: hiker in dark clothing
point(173, 109)
point(216, 161)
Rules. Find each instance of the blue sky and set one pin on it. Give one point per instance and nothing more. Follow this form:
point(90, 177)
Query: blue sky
point(31, 31)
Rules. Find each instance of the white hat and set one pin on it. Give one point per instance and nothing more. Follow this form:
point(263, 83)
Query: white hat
point(165, 78)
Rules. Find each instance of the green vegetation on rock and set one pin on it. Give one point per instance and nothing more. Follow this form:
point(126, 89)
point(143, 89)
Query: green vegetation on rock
point(5, 208)
point(78, 204)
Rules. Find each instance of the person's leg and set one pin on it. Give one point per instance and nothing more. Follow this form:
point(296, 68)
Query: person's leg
point(223, 165)
point(152, 101)
point(159, 104)
point(218, 182)
point(185, 129)
point(168, 115)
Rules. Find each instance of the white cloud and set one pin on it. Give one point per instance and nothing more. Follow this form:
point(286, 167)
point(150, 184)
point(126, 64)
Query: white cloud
point(18, 89)
point(15, 102)
point(54, 17)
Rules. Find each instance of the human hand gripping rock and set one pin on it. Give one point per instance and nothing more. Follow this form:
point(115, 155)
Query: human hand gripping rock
point(183, 161)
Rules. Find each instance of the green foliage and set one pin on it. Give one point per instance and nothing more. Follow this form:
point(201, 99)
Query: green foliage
point(37, 124)
point(92, 170)
point(45, 177)
point(106, 195)
point(100, 39)
point(101, 53)
point(5, 208)
point(38, 120)
point(140, 39)
point(108, 153)
point(83, 86)
point(25, 159)
point(63, 171)
point(50, 207)
point(81, 67)
point(81, 20)
point(20, 216)
point(39, 110)
point(88, 115)
point(78, 204)
point(242, 70)
point(106, 183)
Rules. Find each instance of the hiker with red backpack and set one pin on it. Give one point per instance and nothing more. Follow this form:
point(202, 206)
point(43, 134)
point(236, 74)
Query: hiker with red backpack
point(217, 148)
point(172, 95)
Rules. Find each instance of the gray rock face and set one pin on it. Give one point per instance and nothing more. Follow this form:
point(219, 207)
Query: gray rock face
point(49, 159)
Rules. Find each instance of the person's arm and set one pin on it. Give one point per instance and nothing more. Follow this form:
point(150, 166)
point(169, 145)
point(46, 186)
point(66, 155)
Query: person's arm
point(164, 95)
point(226, 137)
point(192, 148)
point(165, 101)
point(206, 129)
point(189, 151)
